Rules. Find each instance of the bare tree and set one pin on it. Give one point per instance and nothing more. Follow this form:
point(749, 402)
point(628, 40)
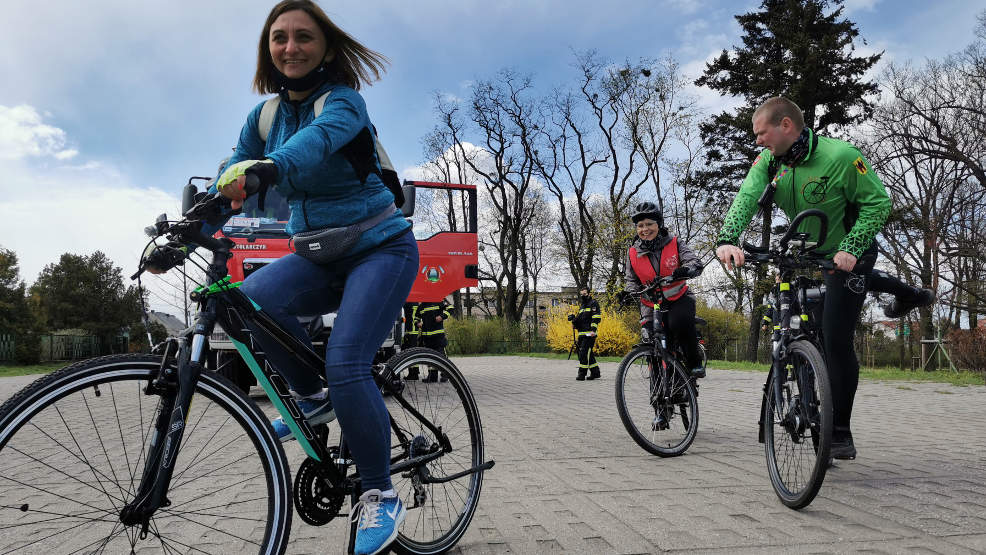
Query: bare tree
point(506, 121)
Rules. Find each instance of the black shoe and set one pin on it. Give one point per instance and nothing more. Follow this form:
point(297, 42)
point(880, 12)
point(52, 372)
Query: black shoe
point(444, 378)
point(432, 377)
point(580, 377)
point(843, 450)
point(898, 307)
point(593, 376)
point(412, 375)
point(698, 372)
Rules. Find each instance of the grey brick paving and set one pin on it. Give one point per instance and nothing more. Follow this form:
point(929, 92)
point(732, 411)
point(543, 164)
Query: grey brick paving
point(569, 479)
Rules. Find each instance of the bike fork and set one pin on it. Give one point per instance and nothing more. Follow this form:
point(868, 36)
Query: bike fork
point(176, 389)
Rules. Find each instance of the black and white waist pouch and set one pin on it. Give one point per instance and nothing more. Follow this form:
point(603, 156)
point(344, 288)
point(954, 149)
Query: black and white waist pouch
point(322, 246)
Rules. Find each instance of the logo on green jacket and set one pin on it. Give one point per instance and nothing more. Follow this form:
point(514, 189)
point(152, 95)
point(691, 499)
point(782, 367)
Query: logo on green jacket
point(815, 189)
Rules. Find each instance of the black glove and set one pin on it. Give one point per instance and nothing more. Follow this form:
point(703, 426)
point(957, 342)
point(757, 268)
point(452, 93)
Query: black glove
point(571, 317)
point(682, 272)
point(165, 257)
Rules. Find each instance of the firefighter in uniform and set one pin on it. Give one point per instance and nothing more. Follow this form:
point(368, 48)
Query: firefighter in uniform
point(655, 253)
point(431, 317)
point(411, 334)
point(586, 323)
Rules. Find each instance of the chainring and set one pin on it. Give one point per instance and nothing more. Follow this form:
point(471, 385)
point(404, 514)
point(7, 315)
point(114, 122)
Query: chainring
point(316, 500)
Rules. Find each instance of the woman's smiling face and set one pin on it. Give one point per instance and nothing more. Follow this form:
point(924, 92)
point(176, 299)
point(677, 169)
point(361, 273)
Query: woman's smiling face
point(647, 229)
point(297, 44)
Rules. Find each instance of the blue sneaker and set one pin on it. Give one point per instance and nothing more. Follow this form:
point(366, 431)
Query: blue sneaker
point(316, 411)
point(379, 518)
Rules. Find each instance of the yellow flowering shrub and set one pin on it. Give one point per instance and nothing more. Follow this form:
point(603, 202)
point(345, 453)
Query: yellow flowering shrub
point(618, 330)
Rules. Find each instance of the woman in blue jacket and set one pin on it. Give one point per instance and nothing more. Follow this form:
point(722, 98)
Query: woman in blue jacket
point(325, 164)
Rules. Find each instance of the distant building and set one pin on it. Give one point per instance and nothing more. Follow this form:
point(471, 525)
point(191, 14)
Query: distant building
point(170, 323)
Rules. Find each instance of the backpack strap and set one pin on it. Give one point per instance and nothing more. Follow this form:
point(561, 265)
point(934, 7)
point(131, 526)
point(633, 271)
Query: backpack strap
point(267, 117)
point(389, 174)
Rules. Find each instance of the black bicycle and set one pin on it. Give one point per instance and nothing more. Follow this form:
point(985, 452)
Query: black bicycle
point(153, 453)
point(655, 394)
point(796, 413)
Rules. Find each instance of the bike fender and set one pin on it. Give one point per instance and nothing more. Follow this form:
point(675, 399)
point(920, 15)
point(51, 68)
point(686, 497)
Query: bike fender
point(763, 405)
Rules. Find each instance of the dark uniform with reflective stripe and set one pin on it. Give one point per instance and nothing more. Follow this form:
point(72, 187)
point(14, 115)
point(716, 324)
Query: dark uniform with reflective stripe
point(432, 317)
point(586, 323)
point(411, 334)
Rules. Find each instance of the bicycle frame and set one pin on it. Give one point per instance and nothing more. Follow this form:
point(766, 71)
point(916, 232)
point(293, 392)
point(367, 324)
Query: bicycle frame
point(789, 315)
point(254, 333)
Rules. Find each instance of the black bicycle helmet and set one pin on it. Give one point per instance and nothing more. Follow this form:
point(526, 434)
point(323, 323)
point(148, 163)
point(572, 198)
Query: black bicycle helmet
point(647, 210)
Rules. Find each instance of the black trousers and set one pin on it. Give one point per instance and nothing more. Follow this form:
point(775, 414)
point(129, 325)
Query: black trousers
point(681, 320)
point(436, 341)
point(587, 358)
point(844, 296)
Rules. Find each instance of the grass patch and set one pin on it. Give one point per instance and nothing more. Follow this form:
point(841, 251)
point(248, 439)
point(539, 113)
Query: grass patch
point(8, 371)
point(906, 388)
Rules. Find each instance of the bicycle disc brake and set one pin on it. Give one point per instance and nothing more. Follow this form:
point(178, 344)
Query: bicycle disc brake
point(315, 498)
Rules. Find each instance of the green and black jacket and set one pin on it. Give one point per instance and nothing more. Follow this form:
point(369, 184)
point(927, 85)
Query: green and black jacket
point(834, 178)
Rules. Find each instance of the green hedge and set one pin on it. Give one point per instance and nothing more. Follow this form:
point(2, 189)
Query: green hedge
point(469, 336)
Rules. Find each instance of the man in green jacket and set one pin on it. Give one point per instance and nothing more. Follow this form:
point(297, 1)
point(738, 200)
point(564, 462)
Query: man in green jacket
point(809, 171)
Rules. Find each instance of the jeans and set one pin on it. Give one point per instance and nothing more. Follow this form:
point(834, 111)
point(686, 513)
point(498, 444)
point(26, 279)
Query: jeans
point(367, 291)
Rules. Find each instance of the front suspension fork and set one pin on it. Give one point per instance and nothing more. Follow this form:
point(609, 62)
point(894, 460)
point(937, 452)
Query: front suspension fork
point(175, 388)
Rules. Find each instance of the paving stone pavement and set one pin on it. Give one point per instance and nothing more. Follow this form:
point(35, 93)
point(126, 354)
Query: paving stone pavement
point(568, 478)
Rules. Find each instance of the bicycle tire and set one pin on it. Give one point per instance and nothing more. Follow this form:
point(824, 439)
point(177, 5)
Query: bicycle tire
point(786, 445)
point(438, 524)
point(643, 415)
point(72, 446)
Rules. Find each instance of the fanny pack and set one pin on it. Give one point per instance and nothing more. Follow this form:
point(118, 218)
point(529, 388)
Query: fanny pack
point(322, 246)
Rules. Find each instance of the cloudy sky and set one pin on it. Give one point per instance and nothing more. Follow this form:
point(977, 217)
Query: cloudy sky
point(107, 107)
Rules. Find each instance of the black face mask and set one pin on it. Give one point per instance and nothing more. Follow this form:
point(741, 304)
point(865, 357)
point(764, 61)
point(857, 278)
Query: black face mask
point(309, 81)
point(798, 151)
point(651, 245)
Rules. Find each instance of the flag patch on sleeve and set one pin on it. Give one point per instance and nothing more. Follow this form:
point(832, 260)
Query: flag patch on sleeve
point(860, 165)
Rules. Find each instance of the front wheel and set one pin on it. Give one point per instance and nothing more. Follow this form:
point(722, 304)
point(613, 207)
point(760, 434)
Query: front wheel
point(797, 429)
point(438, 512)
point(72, 451)
point(657, 402)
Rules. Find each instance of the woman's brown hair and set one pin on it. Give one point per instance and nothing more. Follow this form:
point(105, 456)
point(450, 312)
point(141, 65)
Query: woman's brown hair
point(352, 64)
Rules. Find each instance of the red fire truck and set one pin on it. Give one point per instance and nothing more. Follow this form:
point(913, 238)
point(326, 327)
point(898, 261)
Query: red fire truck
point(448, 258)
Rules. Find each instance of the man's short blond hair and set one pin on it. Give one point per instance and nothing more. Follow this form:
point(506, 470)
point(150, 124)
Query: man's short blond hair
point(778, 108)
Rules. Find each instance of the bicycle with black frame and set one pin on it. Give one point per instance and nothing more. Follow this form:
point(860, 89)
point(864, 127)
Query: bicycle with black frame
point(155, 453)
point(656, 395)
point(796, 412)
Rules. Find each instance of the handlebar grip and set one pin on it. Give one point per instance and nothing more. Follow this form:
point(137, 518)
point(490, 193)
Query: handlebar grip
point(753, 249)
point(252, 184)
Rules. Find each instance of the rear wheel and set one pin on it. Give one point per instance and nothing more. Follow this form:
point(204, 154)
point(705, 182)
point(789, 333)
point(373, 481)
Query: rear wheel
point(438, 513)
point(657, 402)
point(72, 450)
point(797, 430)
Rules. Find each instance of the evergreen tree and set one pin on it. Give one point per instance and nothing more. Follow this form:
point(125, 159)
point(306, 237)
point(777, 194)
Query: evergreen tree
point(86, 292)
point(801, 49)
point(16, 316)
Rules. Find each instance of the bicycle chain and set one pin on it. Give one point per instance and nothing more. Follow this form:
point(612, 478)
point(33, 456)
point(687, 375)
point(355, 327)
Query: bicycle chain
point(316, 500)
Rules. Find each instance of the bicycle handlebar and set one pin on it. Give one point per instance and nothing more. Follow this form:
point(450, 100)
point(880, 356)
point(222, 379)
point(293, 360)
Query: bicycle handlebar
point(764, 253)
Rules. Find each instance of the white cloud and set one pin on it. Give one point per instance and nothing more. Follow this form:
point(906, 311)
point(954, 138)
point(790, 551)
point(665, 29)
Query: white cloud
point(48, 208)
point(23, 134)
point(853, 6)
point(684, 6)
